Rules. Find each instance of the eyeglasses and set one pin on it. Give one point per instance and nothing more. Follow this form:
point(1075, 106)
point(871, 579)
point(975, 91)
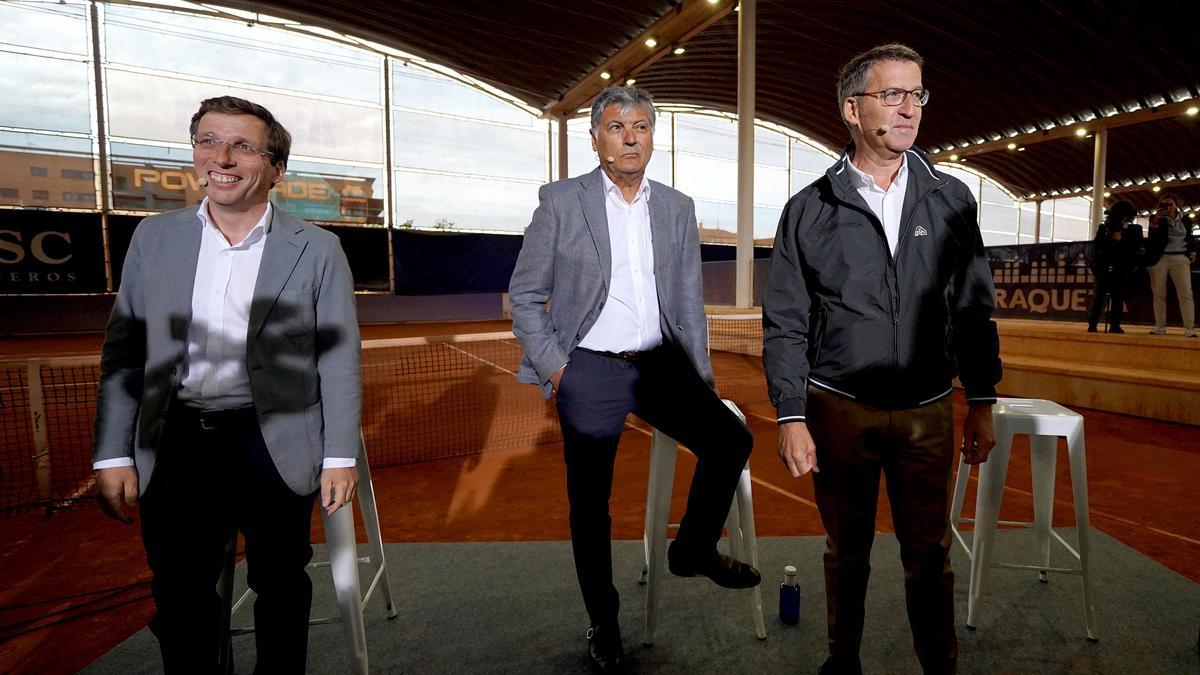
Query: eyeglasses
point(210, 145)
point(894, 97)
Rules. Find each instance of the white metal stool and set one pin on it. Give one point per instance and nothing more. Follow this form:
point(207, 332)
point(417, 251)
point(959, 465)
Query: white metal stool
point(1044, 422)
point(343, 561)
point(740, 524)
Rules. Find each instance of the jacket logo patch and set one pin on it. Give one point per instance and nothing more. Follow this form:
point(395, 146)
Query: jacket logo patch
point(920, 231)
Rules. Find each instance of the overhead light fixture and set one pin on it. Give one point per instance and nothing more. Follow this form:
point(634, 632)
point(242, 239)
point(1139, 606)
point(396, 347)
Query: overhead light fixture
point(713, 2)
point(1012, 146)
point(953, 158)
point(651, 43)
point(1156, 189)
point(629, 82)
point(1021, 149)
point(1107, 193)
point(679, 50)
point(606, 75)
point(1081, 132)
point(1192, 111)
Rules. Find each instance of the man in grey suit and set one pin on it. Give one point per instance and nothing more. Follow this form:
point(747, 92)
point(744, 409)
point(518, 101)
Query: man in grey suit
point(607, 303)
point(230, 393)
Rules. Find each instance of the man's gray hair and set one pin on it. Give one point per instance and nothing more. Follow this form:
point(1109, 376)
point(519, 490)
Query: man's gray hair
point(853, 77)
point(628, 98)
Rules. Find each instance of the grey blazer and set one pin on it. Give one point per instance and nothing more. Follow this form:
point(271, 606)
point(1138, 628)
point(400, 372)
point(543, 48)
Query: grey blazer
point(561, 279)
point(302, 349)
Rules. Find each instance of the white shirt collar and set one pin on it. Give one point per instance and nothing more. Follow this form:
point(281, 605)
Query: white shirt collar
point(260, 229)
point(862, 179)
point(642, 191)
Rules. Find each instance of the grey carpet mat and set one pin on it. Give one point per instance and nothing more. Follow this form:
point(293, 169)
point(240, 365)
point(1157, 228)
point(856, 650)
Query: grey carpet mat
point(514, 607)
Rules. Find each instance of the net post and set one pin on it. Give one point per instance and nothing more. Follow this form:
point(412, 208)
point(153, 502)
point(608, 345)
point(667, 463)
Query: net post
point(41, 437)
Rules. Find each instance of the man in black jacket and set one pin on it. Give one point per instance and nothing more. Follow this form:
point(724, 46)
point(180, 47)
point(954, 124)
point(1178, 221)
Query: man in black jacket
point(1114, 257)
point(878, 295)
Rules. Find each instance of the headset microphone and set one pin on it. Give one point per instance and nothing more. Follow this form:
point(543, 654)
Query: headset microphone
point(610, 159)
point(202, 181)
point(883, 129)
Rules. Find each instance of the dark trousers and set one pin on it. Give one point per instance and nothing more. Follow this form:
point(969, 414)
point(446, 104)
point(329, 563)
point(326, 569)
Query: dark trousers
point(207, 485)
point(595, 395)
point(1108, 284)
point(915, 451)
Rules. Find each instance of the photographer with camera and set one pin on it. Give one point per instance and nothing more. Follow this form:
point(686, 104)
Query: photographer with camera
point(1114, 257)
point(1171, 234)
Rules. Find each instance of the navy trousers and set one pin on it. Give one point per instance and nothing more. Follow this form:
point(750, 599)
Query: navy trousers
point(595, 395)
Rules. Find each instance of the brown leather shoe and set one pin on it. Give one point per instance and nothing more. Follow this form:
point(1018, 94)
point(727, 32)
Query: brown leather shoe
point(722, 569)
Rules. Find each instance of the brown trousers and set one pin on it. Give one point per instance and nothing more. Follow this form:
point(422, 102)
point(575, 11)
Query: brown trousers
point(915, 451)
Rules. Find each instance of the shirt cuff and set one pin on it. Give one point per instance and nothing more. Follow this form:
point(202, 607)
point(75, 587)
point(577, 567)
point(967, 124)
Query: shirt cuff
point(338, 463)
point(114, 463)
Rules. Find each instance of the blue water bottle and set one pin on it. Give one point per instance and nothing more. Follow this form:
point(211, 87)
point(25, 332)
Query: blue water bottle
point(789, 597)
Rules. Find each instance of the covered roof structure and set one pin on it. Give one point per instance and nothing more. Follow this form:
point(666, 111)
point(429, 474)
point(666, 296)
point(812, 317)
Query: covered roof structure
point(1039, 76)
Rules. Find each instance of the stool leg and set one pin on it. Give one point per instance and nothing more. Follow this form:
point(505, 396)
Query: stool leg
point(225, 589)
point(343, 562)
point(1077, 454)
point(1044, 455)
point(663, 451)
point(744, 504)
point(987, 511)
point(366, 501)
point(960, 494)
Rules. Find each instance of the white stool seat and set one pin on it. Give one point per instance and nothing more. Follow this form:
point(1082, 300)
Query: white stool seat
point(343, 563)
point(740, 524)
point(1044, 422)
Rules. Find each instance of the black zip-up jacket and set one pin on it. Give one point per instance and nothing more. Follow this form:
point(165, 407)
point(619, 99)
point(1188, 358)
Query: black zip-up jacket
point(843, 314)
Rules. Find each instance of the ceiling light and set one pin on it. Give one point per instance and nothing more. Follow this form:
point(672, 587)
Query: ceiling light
point(1021, 149)
point(606, 75)
point(1155, 189)
point(713, 2)
point(1107, 194)
point(679, 50)
point(1081, 132)
point(1192, 111)
point(651, 43)
point(953, 158)
point(1012, 146)
point(629, 82)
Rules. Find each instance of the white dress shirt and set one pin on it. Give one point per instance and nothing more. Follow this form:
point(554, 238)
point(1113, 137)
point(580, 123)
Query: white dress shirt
point(629, 319)
point(215, 376)
point(887, 205)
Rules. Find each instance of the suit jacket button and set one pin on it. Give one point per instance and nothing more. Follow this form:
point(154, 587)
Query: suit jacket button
point(174, 372)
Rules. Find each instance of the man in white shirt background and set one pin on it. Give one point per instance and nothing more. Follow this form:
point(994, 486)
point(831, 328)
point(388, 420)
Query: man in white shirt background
point(607, 302)
point(230, 393)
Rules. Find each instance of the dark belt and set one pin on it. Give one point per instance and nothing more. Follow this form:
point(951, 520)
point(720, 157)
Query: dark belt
point(631, 356)
point(213, 420)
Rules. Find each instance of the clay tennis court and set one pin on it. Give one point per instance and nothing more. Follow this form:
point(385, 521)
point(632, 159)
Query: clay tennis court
point(461, 452)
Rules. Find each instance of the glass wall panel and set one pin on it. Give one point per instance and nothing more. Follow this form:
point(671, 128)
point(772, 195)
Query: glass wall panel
point(420, 89)
point(461, 145)
point(46, 171)
point(232, 51)
point(1072, 216)
point(44, 93)
point(319, 128)
point(51, 26)
point(445, 202)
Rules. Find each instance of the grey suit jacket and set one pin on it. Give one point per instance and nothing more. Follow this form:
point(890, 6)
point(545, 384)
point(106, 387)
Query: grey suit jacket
point(561, 279)
point(302, 349)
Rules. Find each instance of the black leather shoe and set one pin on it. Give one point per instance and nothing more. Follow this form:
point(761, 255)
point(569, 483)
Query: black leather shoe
point(1091, 329)
point(1115, 329)
point(605, 650)
point(723, 570)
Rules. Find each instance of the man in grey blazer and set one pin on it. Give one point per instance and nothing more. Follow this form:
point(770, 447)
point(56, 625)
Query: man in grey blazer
point(607, 303)
point(230, 393)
